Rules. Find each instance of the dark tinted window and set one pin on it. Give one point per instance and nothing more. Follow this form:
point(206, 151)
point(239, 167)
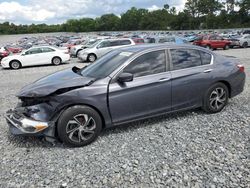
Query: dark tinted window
point(115, 43)
point(212, 38)
point(219, 38)
point(125, 42)
point(184, 58)
point(147, 64)
point(205, 58)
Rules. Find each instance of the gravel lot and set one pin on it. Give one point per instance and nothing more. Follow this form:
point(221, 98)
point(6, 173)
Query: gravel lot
point(188, 149)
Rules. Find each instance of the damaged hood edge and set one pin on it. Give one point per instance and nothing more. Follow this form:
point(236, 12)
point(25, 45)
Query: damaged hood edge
point(56, 83)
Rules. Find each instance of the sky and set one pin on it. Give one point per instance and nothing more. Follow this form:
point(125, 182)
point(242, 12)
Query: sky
point(58, 11)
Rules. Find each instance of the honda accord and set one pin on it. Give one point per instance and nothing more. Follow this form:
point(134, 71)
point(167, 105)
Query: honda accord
point(127, 84)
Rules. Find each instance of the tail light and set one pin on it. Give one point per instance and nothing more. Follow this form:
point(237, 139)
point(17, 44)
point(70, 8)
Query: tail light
point(241, 68)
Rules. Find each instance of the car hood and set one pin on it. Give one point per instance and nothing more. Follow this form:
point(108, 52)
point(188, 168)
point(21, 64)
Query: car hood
point(66, 79)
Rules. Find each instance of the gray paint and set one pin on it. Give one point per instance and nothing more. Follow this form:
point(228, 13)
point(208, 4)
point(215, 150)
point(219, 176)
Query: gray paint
point(144, 97)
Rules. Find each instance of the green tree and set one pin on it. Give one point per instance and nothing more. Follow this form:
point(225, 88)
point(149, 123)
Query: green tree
point(108, 22)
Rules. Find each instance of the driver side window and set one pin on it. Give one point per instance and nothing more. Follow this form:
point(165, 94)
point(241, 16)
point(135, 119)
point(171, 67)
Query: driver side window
point(104, 44)
point(147, 64)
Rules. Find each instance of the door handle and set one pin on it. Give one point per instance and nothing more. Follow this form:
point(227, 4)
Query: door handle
point(207, 70)
point(164, 79)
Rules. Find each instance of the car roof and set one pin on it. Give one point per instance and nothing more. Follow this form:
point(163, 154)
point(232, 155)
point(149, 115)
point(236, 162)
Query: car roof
point(143, 47)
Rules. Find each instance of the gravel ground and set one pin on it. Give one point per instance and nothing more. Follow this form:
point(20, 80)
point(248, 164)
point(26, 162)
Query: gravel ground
point(188, 149)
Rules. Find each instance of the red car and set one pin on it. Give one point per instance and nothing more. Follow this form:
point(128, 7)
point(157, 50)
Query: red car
point(138, 40)
point(3, 53)
point(213, 42)
point(13, 50)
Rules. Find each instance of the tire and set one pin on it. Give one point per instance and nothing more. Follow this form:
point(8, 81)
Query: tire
point(208, 47)
point(77, 53)
point(91, 58)
point(216, 98)
point(226, 47)
point(245, 45)
point(56, 61)
point(73, 129)
point(15, 64)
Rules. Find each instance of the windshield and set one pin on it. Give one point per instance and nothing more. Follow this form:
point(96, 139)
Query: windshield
point(91, 44)
point(106, 65)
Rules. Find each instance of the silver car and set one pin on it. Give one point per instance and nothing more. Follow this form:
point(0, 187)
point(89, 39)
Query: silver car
point(244, 41)
point(102, 47)
point(74, 51)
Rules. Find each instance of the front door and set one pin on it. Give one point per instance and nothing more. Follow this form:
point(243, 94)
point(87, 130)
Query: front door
point(148, 94)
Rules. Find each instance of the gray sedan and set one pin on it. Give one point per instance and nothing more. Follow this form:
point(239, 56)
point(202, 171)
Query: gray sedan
point(127, 84)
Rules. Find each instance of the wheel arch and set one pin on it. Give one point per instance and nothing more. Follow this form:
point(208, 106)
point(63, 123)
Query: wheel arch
point(15, 60)
point(60, 112)
point(92, 53)
point(227, 84)
point(55, 57)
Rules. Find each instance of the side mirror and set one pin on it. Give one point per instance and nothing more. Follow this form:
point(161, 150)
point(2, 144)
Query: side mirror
point(125, 77)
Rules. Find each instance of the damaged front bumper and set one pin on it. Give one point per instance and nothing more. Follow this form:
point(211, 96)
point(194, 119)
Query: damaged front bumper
point(19, 124)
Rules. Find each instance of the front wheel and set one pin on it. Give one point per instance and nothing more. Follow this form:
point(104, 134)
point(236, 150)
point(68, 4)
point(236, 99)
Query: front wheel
point(15, 64)
point(79, 126)
point(245, 45)
point(91, 58)
point(215, 98)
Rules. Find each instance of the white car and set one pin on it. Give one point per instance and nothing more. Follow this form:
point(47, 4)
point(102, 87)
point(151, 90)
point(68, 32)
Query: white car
point(244, 41)
point(36, 56)
point(102, 47)
point(74, 51)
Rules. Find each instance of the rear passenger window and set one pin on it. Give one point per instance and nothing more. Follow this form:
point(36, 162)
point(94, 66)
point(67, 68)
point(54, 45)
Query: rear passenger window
point(205, 58)
point(185, 58)
point(125, 42)
point(114, 43)
point(147, 64)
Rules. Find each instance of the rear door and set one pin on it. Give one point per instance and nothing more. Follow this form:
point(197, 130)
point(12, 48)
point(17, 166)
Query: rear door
point(191, 76)
point(148, 94)
point(47, 55)
point(213, 41)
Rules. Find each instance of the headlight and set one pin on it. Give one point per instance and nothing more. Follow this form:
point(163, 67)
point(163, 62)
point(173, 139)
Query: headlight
point(5, 59)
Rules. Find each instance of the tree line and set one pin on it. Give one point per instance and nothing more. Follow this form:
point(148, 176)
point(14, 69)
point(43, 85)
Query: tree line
point(197, 14)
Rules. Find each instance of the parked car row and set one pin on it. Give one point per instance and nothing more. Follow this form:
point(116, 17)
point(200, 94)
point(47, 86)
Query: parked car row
point(90, 47)
point(36, 56)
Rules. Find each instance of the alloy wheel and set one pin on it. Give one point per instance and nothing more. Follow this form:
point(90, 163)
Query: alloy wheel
point(81, 128)
point(15, 65)
point(92, 58)
point(56, 61)
point(217, 98)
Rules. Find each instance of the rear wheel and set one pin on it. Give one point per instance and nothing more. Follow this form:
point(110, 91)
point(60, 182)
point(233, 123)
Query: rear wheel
point(56, 61)
point(208, 47)
point(226, 47)
point(15, 64)
point(215, 98)
point(245, 45)
point(79, 126)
